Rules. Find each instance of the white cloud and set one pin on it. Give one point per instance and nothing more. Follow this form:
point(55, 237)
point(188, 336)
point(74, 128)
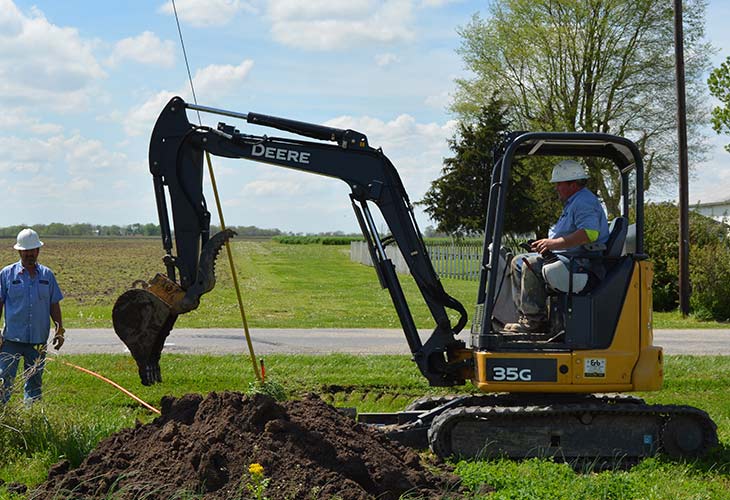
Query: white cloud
point(80, 184)
point(323, 25)
point(74, 155)
point(416, 149)
point(283, 183)
point(89, 156)
point(44, 63)
point(212, 81)
point(386, 59)
point(201, 13)
point(437, 3)
point(439, 101)
point(145, 48)
point(403, 133)
point(314, 9)
point(19, 119)
point(709, 181)
point(141, 119)
point(215, 80)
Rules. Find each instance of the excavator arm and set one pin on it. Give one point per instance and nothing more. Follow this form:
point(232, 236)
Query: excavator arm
point(144, 317)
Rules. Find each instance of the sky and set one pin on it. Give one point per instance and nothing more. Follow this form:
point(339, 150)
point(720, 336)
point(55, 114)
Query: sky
point(82, 83)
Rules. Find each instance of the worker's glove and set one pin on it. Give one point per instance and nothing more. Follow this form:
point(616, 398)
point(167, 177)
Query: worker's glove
point(58, 338)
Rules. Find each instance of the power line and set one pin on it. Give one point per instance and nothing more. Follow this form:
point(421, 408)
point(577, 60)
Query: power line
point(185, 56)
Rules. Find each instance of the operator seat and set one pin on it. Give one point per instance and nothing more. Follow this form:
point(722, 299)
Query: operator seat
point(585, 304)
point(560, 278)
point(617, 230)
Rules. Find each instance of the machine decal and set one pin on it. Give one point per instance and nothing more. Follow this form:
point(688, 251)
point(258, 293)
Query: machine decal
point(522, 370)
point(280, 154)
point(595, 367)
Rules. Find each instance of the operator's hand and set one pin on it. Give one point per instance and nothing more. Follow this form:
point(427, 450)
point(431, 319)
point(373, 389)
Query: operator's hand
point(542, 246)
point(58, 338)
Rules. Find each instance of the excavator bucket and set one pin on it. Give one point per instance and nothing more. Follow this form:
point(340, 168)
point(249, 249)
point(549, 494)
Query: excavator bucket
point(143, 320)
point(144, 315)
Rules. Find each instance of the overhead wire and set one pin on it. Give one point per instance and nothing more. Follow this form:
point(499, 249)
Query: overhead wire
point(258, 371)
point(185, 56)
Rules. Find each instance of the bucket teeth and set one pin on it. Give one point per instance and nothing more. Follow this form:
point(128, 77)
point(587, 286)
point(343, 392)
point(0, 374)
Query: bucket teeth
point(205, 279)
point(143, 317)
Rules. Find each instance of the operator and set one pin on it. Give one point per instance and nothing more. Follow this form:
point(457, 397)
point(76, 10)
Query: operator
point(30, 296)
point(583, 221)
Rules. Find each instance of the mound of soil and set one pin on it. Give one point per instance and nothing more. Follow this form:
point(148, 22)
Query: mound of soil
point(307, 448)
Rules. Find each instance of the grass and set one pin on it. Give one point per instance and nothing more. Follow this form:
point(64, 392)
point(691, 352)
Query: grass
point(310, 286)
point(674, 320)
point(283, 286)
point(78, 411)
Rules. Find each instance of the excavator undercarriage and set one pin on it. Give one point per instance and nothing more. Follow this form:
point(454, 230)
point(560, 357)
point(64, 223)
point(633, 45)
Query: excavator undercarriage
point(542, 392)
point(588, 431)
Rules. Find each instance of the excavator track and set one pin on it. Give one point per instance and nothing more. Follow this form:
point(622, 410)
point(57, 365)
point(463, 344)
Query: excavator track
point(601, 432)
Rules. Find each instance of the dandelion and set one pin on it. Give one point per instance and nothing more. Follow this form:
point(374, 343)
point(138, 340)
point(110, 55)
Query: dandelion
point(257, 483)
point(256, 469)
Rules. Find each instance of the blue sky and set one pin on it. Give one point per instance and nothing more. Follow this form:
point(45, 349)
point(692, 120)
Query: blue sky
point(82, 82)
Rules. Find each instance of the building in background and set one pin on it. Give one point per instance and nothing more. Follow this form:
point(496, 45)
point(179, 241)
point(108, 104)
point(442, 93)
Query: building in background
point(718, 210)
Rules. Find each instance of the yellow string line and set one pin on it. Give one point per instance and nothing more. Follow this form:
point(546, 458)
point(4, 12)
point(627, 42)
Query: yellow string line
point(110, 382)
point(256, 370)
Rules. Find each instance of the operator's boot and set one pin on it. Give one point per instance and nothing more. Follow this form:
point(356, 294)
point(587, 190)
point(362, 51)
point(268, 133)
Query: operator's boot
point(526, 325)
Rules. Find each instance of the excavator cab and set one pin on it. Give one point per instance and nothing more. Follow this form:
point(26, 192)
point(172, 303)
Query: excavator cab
point(600, 337)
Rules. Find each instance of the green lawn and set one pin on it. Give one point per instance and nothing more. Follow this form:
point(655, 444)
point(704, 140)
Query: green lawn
point(311, 286)
point(283, 286)
point(79, 410)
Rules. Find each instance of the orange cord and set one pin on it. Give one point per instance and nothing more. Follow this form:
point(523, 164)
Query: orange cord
point(110, 382)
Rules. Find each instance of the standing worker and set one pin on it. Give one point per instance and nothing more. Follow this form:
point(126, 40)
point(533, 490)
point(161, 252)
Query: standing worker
point(30, 296)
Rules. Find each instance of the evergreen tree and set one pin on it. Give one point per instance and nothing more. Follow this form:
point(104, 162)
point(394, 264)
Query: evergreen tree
point(457, 200)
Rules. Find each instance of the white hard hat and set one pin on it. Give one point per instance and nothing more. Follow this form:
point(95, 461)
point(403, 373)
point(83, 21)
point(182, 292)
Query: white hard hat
point(28, 240)
point(557, 276)
point(568, 170)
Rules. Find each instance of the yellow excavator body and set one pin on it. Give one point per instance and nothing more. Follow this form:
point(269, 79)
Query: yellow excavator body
point(630, 363)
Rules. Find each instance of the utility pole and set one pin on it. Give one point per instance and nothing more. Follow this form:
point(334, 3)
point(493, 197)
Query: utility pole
point(683, 162)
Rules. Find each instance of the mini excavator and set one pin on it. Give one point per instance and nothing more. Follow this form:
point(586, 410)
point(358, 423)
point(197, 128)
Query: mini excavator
point(552, 394)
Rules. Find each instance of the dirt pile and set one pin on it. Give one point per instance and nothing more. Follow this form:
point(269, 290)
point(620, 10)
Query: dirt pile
point(205, 446)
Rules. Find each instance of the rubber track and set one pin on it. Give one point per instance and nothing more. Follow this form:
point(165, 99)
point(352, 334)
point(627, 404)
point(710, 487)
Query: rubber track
point(440, 438)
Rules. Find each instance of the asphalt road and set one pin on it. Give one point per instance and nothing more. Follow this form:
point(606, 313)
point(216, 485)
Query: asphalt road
point(341, 340)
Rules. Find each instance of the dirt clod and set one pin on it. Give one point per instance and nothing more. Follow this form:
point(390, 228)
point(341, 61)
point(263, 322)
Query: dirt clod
point(205, 446)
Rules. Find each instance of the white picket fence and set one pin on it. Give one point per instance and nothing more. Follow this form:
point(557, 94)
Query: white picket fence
point(459, 262)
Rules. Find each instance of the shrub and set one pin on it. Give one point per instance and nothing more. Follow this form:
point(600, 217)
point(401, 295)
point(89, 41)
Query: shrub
point(316, 240)
point(661, 243)
point(710, 278)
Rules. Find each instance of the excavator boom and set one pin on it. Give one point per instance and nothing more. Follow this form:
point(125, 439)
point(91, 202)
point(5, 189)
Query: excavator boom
point(143, 317)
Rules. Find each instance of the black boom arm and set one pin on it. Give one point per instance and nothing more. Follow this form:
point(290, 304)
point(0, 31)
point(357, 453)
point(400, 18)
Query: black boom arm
point(176, 161)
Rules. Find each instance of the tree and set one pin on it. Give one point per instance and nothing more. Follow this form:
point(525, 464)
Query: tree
point(593, 66)
point(709, 262)
point(719, 83)
point(457, 200)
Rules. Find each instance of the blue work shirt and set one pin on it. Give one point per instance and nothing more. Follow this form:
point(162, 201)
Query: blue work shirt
point(582, 211)
point(28, 302)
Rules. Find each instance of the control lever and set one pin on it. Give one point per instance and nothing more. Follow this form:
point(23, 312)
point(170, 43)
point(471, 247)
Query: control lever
point(548, 255)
